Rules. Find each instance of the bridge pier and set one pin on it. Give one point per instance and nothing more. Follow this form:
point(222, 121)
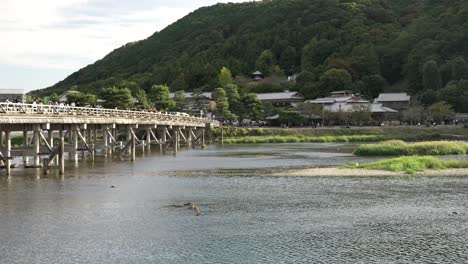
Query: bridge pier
point(8, 152)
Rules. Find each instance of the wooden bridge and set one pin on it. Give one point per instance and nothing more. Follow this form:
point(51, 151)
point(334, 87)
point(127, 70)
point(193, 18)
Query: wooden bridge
point(46, 133)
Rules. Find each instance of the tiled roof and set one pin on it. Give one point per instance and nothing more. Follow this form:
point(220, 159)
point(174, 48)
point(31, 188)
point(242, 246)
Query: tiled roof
point(11, 91)
point(279, 96)
point(393, 97)
point(346, 107)
point(190, 95)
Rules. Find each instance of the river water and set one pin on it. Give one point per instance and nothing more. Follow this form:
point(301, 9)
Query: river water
point(247, 218)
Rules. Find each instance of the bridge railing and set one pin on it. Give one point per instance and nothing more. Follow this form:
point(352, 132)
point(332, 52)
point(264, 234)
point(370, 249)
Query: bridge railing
point(64, 110)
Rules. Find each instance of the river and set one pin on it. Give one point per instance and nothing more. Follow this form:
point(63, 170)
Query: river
point(124, 212)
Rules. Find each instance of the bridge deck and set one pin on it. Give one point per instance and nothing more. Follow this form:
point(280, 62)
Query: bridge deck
point(12, 114)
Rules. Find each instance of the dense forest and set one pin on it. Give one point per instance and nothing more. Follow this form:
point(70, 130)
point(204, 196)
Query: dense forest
point(369, 46)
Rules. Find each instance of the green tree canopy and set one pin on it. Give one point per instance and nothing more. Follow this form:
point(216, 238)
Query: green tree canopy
point(334, 80)
point(440, 111)
point(81, 99)
point(234, 99)
point(160, 96)
point(222, 104)
point(225, 77)
point(431, 76)
point(253, 107)
point(142, 99)
point(120, 98)
point(265, 62)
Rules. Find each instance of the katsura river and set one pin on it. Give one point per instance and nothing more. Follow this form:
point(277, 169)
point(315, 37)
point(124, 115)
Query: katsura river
point(247, 217)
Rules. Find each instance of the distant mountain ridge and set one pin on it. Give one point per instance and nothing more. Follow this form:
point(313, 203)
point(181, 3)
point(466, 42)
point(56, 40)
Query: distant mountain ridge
point(378, 42)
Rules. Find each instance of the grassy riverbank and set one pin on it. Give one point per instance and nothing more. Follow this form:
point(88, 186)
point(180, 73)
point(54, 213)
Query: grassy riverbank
point(412, 164)
point(235, 132)
point(400, 148)
point(234, 135)
point(326, 139)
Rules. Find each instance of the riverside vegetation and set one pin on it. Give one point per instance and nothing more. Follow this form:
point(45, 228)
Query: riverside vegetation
point(233, 135)
point(400, 148)
point(412, 164)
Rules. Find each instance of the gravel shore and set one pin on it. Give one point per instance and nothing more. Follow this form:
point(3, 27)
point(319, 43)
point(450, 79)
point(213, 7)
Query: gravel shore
point(336, 172)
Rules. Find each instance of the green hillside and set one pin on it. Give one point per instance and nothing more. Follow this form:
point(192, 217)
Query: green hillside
point(417, 46)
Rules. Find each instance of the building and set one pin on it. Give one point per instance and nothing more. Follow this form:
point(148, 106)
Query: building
point(282, 100)
point(12, 95)
point(347, 102)
point(397, 101)
point(205, 101)
point(257, 76)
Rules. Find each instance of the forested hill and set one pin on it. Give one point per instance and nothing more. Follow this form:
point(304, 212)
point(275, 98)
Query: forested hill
point(419, 46)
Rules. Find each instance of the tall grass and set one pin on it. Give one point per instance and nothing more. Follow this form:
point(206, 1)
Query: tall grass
point(400, 148)
point(325, 139)
point(412, 164)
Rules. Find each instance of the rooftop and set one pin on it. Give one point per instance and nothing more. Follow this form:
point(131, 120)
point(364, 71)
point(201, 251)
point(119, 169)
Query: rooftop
point(393, 97)
point(346, 107)
point(11, 91)
point(279, 96)
point(190, 95)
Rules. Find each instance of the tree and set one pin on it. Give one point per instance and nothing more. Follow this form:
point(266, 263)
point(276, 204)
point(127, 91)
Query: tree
point(180, 101)
point(373, 85)
point(440, 111)
point(142, 99)
point(455, 93)
point(290, 118)
point(54, 97)
point(234, 99)
point(120, 98)
point(310, 110)
point(225, 77)
point(431, 76)
point(459, 69)
point(414, 114)
point(222, 104)
point(265, 62)
point(160, 97)
point(361, 113)
point(81, 99)
point(288, 60)
point(253, 107)
point(334, 80)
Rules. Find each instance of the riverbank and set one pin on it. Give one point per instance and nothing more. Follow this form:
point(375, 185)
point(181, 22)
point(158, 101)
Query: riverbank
point(234, 135)
point(339, 172)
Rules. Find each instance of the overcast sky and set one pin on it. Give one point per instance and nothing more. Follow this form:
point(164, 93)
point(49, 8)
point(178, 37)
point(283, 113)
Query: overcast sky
point(43, 41)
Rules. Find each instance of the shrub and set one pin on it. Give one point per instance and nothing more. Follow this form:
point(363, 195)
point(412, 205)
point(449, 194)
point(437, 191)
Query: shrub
point(400, 148)
point(412, 164)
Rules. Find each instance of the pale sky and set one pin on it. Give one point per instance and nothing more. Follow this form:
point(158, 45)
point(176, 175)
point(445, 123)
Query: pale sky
point(43, 41)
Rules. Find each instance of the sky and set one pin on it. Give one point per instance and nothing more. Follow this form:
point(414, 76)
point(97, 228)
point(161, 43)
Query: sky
point(44, 41)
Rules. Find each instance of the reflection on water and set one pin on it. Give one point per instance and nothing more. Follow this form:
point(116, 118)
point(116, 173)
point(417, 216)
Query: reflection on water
point(80, 219)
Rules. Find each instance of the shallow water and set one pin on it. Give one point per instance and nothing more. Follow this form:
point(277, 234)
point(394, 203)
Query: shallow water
point(246, 219)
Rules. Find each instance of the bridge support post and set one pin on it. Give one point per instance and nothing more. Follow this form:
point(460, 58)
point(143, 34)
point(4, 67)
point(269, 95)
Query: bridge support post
point(62, 154)
point(75, 143)
point(163, 139)
point(148, 139)
point(50, 139)
point(25, 147)
point(37, 146)
point(131, 134)
point(189, 138)
point(106, 141)
point(203, 138)
point(176, 140)
point(8, 152)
